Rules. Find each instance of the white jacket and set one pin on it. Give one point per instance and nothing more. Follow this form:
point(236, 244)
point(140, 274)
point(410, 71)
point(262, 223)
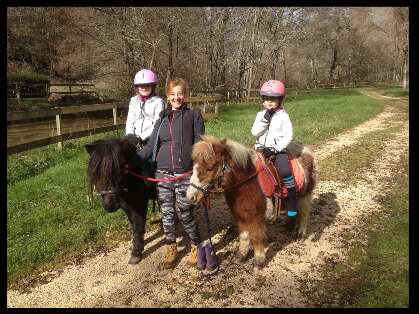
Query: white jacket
point(277, 134)
point(143, 115)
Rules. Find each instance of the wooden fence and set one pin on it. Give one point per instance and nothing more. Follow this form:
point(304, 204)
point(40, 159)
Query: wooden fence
point(68, 89)
point(21, 90)
point(58, 112)
point(208, 103)
point(253, 94)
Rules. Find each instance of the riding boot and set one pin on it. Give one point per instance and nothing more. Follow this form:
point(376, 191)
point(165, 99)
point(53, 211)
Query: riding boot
point(292, 203)
point(170, 255)
point(192, 258)
point(211, 258)
point(201, 259)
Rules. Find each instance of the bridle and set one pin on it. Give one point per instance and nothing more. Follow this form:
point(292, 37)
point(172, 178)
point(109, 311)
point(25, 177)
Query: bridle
point(216, 184)
point(114, 191)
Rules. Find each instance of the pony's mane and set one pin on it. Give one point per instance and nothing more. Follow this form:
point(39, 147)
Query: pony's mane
point(240, 154)
point(104, 164)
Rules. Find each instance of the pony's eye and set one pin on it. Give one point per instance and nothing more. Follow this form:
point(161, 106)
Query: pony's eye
point(210, 169)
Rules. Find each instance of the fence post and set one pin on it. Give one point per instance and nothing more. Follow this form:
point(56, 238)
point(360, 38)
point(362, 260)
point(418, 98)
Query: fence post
point(216, 109)
point(114, 112)
point(69, 88)
point(205, 106)
point(228, 97)
point(58, 121)
point(17, 93)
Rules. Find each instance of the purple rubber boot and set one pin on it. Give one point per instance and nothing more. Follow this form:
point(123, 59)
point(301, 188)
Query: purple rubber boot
point(201, 259)
point(212, 261)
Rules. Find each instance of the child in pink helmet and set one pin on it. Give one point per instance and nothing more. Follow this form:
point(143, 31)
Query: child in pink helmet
point(144, 108)
point(273, 131)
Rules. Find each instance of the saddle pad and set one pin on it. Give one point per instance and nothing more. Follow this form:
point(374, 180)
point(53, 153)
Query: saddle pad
point(268, 180)
point(297, 172)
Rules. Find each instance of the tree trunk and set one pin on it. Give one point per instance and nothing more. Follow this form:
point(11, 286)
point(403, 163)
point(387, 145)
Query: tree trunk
point(284, 65)
point(170, 56)
point(252, 52)
point(242, 66)
point(405, 63)
point(334, 63)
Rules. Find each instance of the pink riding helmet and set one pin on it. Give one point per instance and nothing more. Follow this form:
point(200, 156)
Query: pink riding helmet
point(273, 88)
point(145, 76)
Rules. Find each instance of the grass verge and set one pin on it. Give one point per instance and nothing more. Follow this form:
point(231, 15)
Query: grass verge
point(376, 275)
point(391, 91)
point(348, 163)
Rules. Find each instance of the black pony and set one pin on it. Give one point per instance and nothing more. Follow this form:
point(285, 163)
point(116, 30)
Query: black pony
point(119, 189)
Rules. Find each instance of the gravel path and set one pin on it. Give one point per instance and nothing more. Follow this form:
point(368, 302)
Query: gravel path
point(106, 280)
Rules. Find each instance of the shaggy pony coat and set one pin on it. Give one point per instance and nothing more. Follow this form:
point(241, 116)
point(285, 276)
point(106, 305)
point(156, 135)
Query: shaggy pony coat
point(231, 166)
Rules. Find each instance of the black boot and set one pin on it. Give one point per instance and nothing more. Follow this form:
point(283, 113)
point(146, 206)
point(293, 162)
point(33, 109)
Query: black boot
point(292, 203)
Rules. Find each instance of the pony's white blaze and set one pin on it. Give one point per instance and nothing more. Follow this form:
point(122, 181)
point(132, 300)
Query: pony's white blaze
point(191, 192)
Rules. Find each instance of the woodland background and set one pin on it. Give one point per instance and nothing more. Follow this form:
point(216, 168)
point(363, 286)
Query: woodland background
point(214, 49)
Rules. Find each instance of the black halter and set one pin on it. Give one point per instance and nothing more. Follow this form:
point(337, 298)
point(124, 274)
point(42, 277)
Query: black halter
point(115, 191)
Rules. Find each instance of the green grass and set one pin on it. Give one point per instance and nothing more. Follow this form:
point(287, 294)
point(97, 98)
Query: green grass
point(50, 219)
point(348, 163)
point(49, 215)
point(384, 270)
point(31, 163)
point(395, 91)
point(391, 90)
point(316, 116)
point(29, 103)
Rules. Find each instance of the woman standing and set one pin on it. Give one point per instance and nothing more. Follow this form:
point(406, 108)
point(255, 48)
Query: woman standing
point(170, 146)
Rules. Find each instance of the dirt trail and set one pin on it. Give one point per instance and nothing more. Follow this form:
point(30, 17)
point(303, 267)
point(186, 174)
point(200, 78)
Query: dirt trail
point(106, 280)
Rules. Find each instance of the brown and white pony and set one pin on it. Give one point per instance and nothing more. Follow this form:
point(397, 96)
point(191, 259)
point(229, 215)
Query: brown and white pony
point(229, 165)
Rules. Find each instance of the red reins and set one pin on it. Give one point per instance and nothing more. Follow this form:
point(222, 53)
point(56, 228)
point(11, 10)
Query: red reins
point(134, 173)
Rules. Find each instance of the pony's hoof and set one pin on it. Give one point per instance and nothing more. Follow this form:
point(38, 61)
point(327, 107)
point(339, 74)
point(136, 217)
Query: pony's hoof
point(134, 260)
point(257, 269)
point(269, 214)
point(291, 224)
point(260, 261)
point(300, 236)
point(240, 257)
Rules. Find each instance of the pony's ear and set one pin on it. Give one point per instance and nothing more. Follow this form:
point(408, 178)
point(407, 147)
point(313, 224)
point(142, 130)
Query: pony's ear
point(90, 148)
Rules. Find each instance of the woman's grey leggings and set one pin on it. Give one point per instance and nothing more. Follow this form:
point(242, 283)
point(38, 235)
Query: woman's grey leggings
point(172, 195)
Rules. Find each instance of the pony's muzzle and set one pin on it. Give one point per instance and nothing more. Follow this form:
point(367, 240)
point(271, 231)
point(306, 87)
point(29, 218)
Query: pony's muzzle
point(110, 203)
point(194, 195)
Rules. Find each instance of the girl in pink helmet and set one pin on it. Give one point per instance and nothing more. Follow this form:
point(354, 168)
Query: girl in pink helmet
point(273, 131)
point(144, 108)
point(143, 112)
